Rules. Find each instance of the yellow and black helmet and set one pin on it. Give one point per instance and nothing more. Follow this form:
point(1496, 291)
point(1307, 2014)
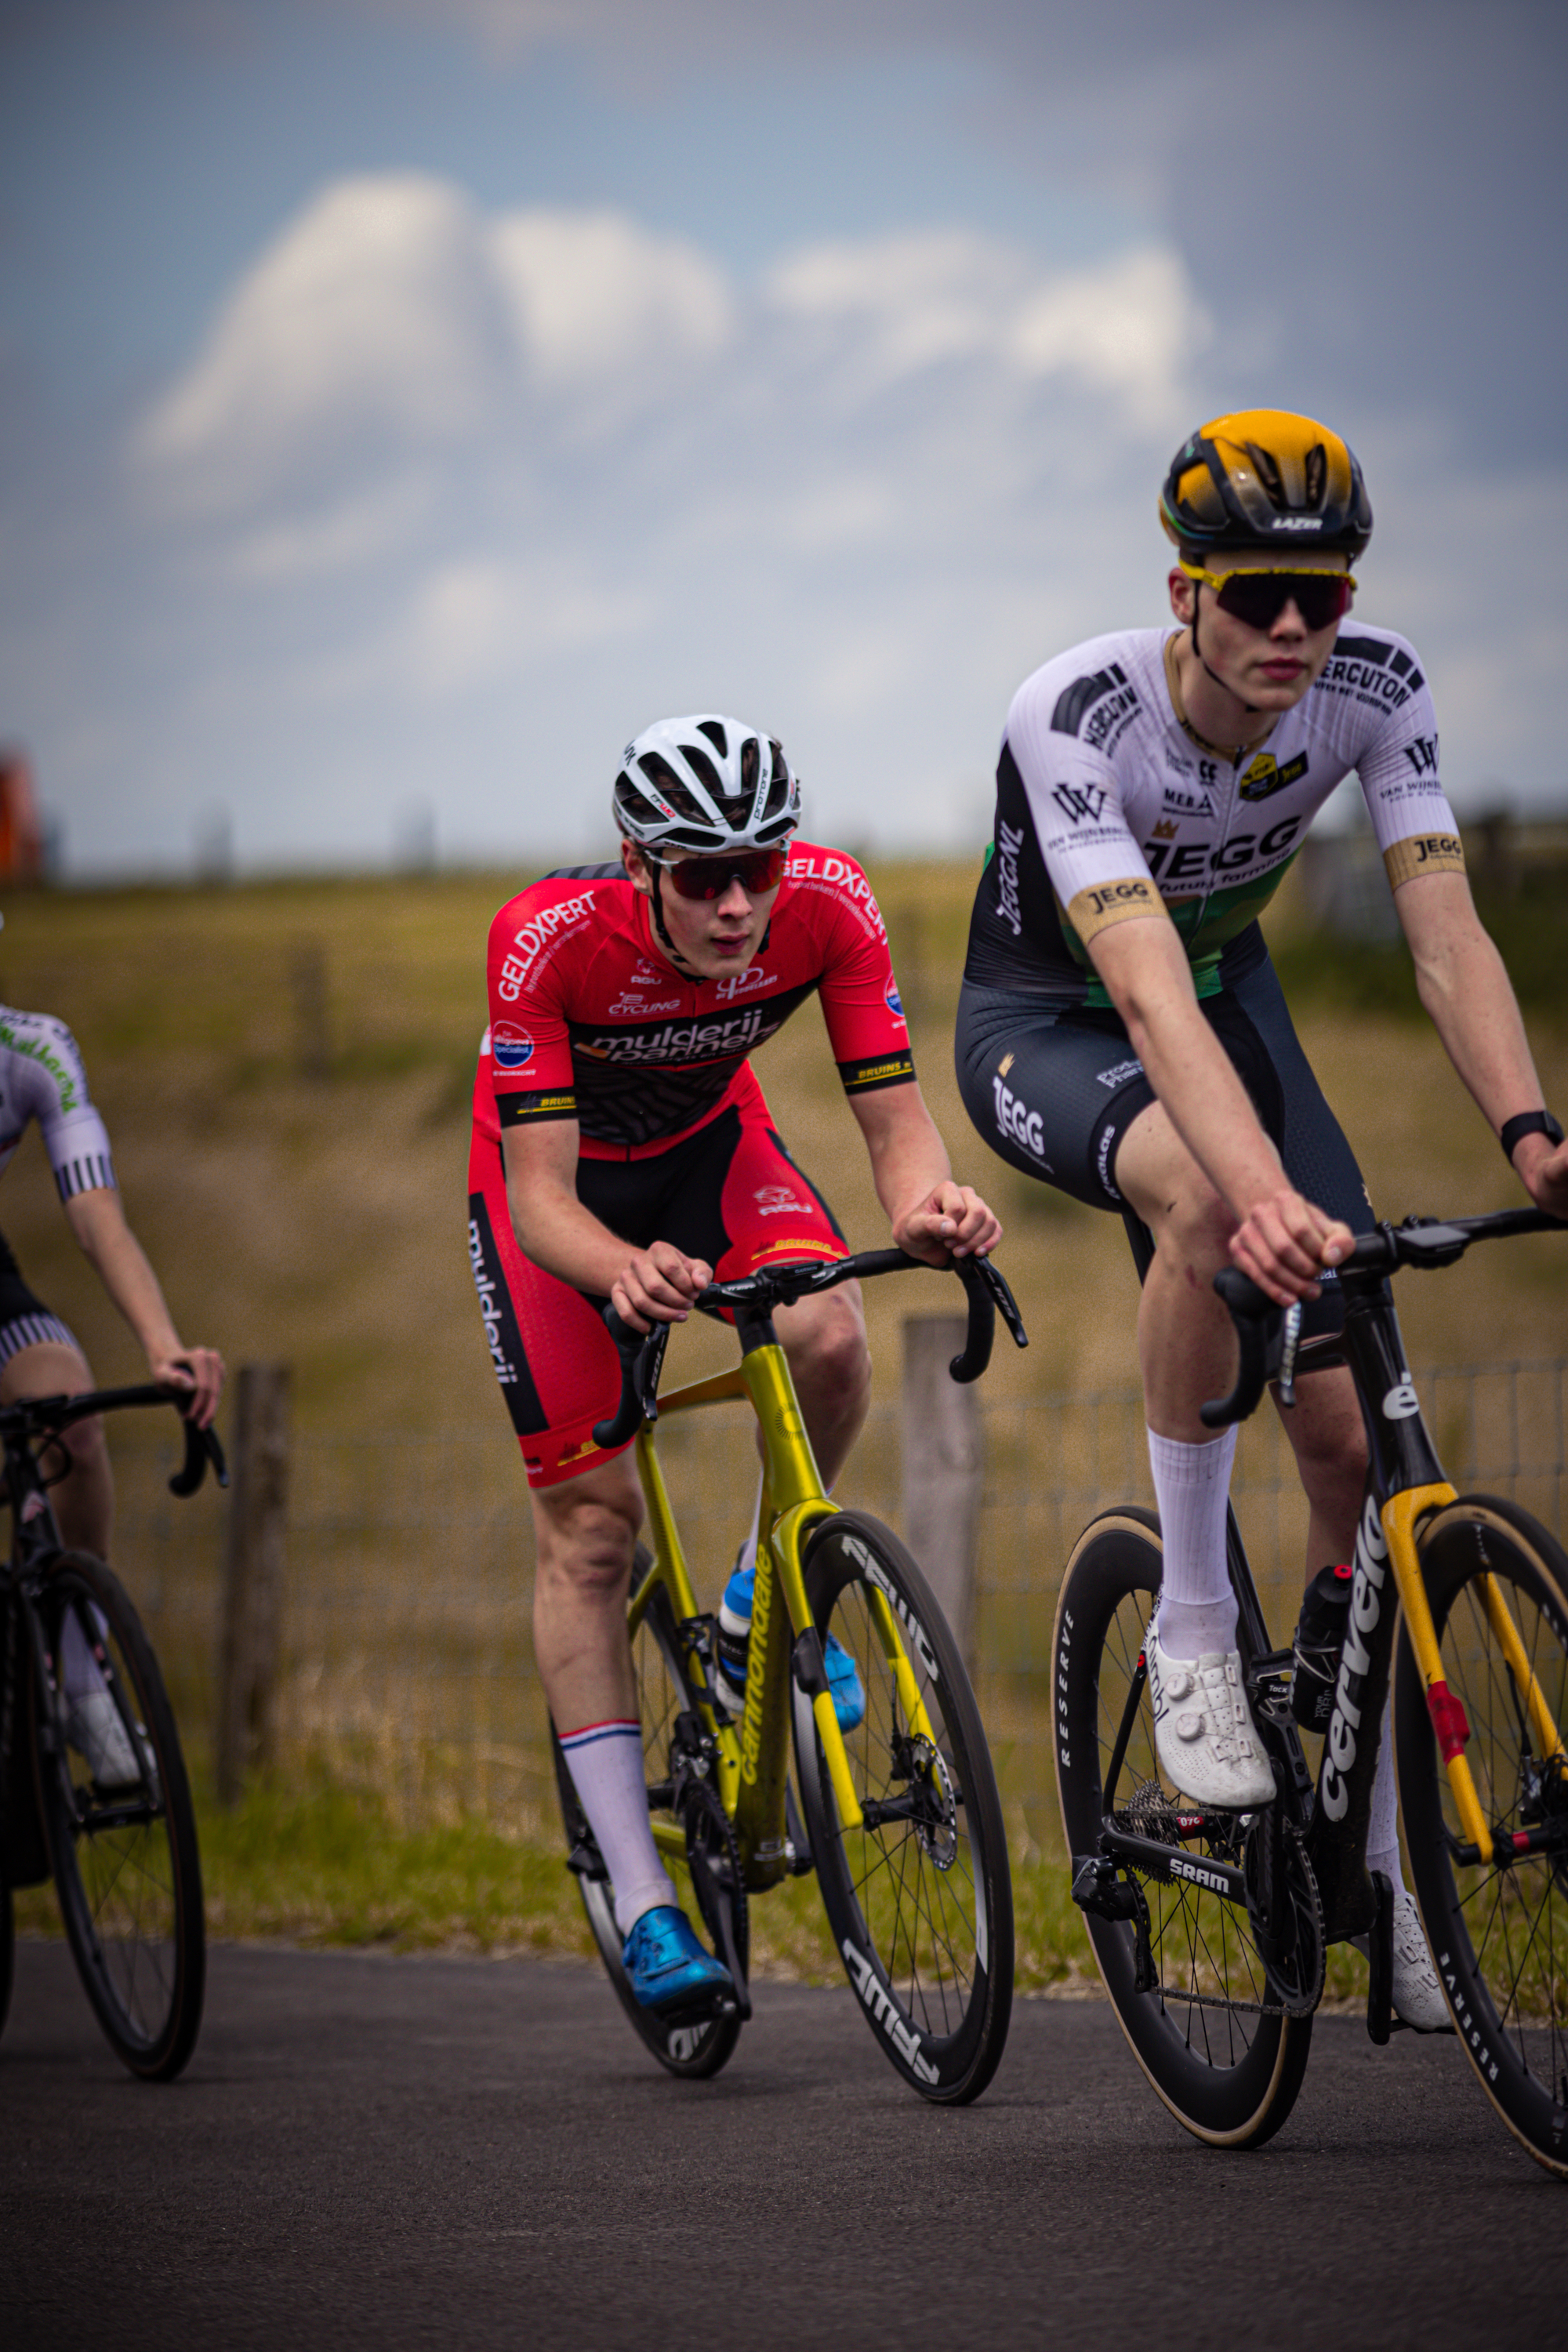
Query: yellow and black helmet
point(1264, 478)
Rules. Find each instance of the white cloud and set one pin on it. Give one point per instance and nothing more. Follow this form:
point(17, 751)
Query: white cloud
point(481, 494)
point(593, 296)
point(898, 306)
point(372, 312)
point(389, 317)
point(475, 621)
point(342, 538)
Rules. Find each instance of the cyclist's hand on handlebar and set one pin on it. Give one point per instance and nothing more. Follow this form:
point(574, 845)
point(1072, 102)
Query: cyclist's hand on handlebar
point(952, 1221)
point(658, 1285)
point(1284, 1242)
point(199, 1370)
point(1542, 1169)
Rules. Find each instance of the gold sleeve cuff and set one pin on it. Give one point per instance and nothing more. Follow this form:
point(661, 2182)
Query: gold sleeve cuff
point(1094, 910)
point(1424, 852)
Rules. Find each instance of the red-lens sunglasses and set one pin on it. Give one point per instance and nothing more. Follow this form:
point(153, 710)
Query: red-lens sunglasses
point(756, 871)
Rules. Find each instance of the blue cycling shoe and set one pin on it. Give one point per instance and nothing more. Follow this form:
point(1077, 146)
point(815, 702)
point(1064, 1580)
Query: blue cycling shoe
point(668, 1967)
point(734, 1636)
point(844, 1682)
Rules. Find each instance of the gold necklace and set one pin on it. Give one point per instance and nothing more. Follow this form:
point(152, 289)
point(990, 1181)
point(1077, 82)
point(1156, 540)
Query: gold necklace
point(1185, 723)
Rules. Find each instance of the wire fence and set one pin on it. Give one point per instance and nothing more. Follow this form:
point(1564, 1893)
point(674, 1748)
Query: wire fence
point(407, 1651)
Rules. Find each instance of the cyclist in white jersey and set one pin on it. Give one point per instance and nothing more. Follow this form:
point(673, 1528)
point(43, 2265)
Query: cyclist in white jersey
point(42, 1078)
point(1122, 1036)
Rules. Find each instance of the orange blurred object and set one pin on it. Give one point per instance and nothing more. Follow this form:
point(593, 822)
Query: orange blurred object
point(21, 841)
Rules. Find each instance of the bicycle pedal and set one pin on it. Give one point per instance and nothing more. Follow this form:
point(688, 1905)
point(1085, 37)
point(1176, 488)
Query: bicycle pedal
point(710, 2011)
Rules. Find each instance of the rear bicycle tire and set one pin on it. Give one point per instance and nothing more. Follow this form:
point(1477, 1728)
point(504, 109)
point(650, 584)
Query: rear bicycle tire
point(1211, 2035)
point(125, 1861)
point(691, 2051)
point(1498, 1932)
point(921, 1908)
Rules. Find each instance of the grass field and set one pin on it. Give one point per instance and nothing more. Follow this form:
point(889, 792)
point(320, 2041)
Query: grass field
point(286, 1070)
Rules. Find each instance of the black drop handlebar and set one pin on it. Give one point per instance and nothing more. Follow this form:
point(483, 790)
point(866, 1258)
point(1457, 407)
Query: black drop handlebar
point(47, 1416)
point(1260, 1323)
point(642, 1352)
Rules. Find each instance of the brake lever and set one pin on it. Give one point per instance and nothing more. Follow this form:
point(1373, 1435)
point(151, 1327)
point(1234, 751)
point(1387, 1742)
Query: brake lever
point(1258, 1325)
point(995, 1282)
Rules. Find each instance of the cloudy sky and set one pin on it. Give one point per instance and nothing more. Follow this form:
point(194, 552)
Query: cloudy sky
point(405, 400)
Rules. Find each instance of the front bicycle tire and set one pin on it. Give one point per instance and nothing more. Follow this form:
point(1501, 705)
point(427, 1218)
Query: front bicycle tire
point(1210, 2032)
point(692, 2050)
point(1498, 1931)
point(919, 1902)
point(7, 1951)
point(124, 1859)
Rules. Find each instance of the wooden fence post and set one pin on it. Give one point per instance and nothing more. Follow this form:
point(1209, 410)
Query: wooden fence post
point(253, 1575)
point(313, 1018)
point(943, 1464)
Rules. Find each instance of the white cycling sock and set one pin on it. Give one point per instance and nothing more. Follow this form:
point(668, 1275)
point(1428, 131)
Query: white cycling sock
point(80, 1674)
point(1191, 1482)
point(606, 1760)
point(1382, 1830)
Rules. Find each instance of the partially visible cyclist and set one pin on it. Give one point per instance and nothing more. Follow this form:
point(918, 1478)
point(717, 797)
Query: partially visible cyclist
point(623, 1150)
point(1122, 1036)
point(42, 1078)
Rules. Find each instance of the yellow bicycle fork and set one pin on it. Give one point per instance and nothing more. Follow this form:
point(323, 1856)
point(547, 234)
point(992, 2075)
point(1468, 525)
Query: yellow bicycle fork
point(1400, 1515)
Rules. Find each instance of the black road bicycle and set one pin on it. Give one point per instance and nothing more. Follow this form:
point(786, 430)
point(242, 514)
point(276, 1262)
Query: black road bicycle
point(99, 1803)
point(1211, 1929)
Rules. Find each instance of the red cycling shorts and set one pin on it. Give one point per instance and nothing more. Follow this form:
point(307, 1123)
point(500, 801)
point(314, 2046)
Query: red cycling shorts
point(730, 1193)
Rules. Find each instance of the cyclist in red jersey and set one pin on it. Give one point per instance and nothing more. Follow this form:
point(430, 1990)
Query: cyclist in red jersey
point(622, 1149)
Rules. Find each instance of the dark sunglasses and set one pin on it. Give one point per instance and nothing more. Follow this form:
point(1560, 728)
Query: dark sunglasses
point(1258, 598)
point(756, 871)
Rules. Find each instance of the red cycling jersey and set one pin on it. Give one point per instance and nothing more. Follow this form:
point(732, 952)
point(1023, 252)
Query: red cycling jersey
point(589, 1022)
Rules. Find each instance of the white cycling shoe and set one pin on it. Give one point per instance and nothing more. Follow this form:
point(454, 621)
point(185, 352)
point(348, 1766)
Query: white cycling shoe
point(94, 1730)
point(1417, 1994)
point(1205, 1738)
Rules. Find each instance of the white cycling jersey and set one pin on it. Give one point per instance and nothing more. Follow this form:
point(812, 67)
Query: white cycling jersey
point(41, 1078)
point(1107, 809)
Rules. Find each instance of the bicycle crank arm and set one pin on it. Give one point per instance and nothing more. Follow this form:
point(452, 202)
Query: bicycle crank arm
point(1099, 1889)
point(1168, 1863)
point(713, 1901)
point(133, 1815)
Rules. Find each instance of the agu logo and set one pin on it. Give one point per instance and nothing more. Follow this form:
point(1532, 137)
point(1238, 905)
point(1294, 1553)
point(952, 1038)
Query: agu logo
point(895, 1002)
point(511, 1045)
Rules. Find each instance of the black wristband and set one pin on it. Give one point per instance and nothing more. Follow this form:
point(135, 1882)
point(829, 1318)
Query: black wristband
point(1527, 1122)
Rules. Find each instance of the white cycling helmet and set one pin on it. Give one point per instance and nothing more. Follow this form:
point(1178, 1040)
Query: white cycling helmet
point(705, 785)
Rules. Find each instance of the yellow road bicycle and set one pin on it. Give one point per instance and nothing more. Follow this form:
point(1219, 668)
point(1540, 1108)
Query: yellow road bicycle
point(1211, 1929)
point(899, 1817)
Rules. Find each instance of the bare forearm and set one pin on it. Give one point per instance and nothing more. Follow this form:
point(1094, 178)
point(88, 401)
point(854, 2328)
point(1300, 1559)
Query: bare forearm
point(1465, 988)
point(98, 1221)
point(908, 1157)
point(1189, 1070)
point(556, 1232)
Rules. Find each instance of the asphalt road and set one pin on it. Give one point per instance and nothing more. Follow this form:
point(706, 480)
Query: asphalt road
point(464, 2153)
